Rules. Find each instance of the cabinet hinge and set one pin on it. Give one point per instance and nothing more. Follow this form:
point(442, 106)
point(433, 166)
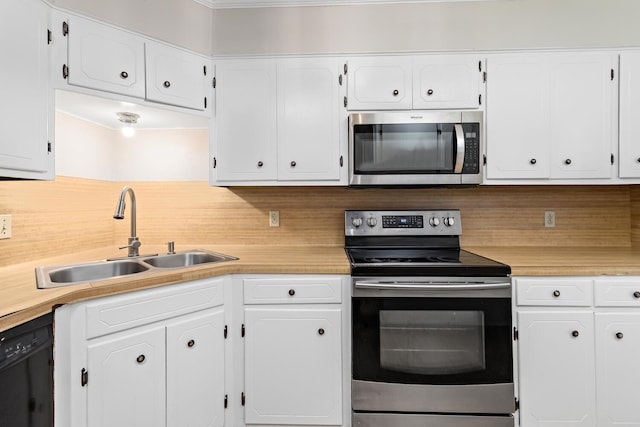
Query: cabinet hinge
point(484, 77)
point(612, 158)
point(84, 377)
point(49, 36)
point(226, 401)
point(214, 83)
point(517, 403)
point(242, 398)
point(65, 71)
point(48, 147)
point(242, 331)
point(480, 99)
point(340, 79)
point(480, 66)
point(65, 28)
point(515, 334)
point(345, 68)
point(341, 161)
point(215, 162)
point(204, 69)
point(345, 102)
point(612, 74)
point(205, 102)
point(225, 331)
point(484, 159)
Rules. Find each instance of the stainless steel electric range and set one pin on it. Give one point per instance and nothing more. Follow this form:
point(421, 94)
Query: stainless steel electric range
point(431, 324)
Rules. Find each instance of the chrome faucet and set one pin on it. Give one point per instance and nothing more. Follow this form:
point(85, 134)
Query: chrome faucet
point(134, 243)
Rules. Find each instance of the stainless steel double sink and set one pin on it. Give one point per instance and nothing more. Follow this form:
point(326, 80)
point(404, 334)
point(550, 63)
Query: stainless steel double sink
point(72, 274)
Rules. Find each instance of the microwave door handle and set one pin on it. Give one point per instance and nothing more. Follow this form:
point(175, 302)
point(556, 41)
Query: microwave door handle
point(458, 135)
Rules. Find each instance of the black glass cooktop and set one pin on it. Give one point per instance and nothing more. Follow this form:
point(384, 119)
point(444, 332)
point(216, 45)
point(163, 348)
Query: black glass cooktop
point(421, 261)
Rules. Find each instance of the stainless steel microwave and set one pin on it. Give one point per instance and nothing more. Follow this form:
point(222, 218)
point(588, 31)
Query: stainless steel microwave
point(415, 148)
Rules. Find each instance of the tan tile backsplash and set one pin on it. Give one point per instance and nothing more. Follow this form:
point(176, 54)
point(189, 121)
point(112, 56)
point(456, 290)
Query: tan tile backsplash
point(73, 214)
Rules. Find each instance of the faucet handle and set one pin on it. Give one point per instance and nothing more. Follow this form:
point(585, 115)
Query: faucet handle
point(171, 247)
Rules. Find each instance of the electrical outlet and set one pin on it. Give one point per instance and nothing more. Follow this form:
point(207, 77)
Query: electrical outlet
point(5, 226)
point(549, 218)
point(274, 218)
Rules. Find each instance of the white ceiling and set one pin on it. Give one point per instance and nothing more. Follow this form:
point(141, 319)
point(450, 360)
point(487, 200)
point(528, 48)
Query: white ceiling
point(102, 111)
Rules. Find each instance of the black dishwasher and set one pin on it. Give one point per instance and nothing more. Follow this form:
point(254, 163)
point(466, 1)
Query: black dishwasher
point(26, 374)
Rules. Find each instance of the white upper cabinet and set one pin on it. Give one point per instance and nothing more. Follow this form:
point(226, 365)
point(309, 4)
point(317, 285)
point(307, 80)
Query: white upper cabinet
point(26, 113)
point(245, 124)
point(279, 121)
point(309, 125)
point(175, 77)
point(551, 116)
point(629, 112)
point(98, 57)
point(104, 58)
point(447, 81)
point(414, 82)
point(380, 83)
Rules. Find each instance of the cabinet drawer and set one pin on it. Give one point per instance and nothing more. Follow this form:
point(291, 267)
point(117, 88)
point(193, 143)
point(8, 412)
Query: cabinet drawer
point(292, 291)
point(617, 292)
point(554, 292)
point(122, 312)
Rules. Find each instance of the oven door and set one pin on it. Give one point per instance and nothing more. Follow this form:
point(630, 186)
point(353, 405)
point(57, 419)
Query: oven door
point(432, 346)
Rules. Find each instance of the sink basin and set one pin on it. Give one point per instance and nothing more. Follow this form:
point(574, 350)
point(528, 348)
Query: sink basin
point(73, 274)
point(90, 272)
point(186, 259)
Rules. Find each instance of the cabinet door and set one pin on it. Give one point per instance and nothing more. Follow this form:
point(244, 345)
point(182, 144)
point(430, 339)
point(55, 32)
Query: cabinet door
point(174, 76)
point(377, 83)
point(245, 135)
point(293, 369)
point(629, 111)
point(105, 58)
point(446, 81)
point(556, 355)
point(517, 119)
point(195, 370)
point(309, 110)
point(582, 115)
point(617, 374)
point(26, 105)
point(127, 379)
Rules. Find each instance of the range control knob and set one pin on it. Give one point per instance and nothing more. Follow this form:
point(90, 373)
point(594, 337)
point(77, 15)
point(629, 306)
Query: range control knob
point(371, 221)
point(434, 221)
point(449, 221)
point(357, 222)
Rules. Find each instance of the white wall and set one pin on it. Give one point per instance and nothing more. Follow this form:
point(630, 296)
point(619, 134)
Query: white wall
point(88, 150)
point(181, 22)
point(477, 25)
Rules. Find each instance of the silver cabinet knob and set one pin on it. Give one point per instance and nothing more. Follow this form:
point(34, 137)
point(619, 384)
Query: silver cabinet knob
point(533, 161)
point(430, 92)
point(292, 292)
point(556, 293)
point(166, 83)
point(567, 162)
point(575, 334)
point(395, 92)
point(124, 75)
point(260, 164)
point(636, 294)
point(191, 343)
point(619, 335)
point(293, 164)
point(140, 358)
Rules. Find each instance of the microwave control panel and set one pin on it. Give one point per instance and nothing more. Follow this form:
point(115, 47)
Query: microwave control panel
point(471, 148)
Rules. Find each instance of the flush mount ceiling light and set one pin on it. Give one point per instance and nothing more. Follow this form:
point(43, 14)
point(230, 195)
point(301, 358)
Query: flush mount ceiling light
point(129, 119)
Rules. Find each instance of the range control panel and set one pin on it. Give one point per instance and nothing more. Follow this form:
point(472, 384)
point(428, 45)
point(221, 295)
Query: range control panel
point(398, 223)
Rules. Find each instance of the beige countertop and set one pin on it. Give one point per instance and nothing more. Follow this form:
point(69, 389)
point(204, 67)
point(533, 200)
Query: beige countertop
point(20, 300)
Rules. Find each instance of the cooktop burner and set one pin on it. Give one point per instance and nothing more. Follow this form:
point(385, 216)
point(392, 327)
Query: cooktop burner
point(412, 243)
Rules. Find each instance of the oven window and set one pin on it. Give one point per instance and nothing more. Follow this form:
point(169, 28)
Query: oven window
point(403, 148)
point(439, 342)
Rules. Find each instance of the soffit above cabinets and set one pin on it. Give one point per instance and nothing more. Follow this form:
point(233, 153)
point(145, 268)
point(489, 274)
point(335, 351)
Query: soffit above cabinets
point(238, 4)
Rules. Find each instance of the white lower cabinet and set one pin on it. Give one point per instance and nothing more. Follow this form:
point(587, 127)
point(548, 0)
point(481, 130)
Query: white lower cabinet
point(167, 370)
point(174, 356)
point(557, 361)
point(578, 347)
point(294, 356)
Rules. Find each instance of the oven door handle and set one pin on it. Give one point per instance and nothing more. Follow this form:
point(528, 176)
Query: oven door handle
point(432, 286)
point(458, 134)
